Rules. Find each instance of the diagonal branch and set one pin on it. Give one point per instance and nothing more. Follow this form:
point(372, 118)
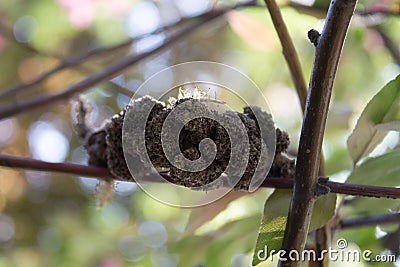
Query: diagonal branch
point(68, 63)
point(289, 51)
point(77, 60)
point(389, 44)
point(113, 69)
point(328, 51)
point(95, 78)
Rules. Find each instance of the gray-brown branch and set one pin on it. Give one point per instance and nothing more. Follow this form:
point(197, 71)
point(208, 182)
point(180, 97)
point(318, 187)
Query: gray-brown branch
point(326, 60)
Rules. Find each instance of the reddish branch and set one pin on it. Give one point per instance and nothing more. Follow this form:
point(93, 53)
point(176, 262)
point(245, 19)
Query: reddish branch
point(62, 167)
point(272, 182)
point(328, 51)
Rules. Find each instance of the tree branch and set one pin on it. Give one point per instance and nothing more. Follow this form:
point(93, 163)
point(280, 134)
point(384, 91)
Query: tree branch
point(77, 60)
point(289, 51)
point(68, 63)
point(388, 43)
point(325, 65)
point(271, 182)
point(293, 62)
point(113, 69)
point(62, 167)
point(393, 218)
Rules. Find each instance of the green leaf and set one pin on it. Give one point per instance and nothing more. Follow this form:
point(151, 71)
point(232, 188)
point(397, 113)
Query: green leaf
point(380, 171)
point(273, 223)
point(384, 107)
point(324, 208)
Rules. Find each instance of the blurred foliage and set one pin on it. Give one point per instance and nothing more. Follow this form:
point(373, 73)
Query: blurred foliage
point(52, 219)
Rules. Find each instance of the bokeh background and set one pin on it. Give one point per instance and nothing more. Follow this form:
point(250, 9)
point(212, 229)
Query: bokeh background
point(51, 219)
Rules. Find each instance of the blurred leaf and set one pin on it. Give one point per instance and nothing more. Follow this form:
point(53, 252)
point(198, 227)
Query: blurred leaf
point(384, 107)
point(324, 208)
point(273, 223)
point(380, 171)
point(239, 238)
point(338, 161)
point(218, 246)
point(203, 214)
point(191, 249)
point(364, 237)
point(388, 228)
point(252, 31)
point(389, 126)
point(318, 11)
point(363, 206)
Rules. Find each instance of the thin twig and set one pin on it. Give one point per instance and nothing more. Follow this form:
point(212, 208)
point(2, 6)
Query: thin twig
point(77, 60)
point(378, 11)
point(113, 69)
point(289, 51)
point(272, 182)
point(62, 167)
point(389, 44)
point(393, 218)
point(326, 60)
point(319, 11)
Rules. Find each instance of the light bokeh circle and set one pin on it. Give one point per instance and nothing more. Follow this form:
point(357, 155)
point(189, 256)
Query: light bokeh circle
point(217, 81)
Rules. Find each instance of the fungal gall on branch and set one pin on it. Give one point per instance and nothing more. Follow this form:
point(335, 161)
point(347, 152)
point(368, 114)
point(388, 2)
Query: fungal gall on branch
point(204, 150)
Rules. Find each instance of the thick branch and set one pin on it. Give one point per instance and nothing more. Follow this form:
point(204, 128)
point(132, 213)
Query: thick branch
point(293, 62)
point(112, 70)
point(272, 182)
point(325, 65)
point(393, 218)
